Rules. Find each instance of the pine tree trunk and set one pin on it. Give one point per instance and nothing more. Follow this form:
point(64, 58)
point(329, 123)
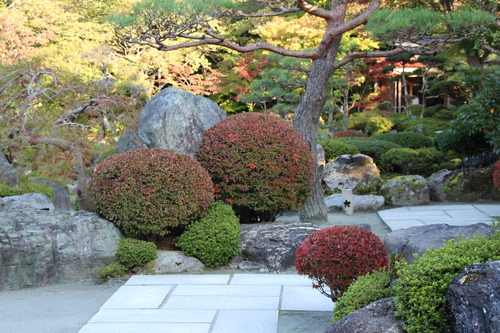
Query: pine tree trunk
point(306, 120)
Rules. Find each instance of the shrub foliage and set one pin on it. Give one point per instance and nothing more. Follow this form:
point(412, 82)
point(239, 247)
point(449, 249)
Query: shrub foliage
point(259, 162)
point(371, 147)
point(406, 139)
point(134, 252)
point(215, 238)
point(334, 257)
point(148, 191)
point(335, 148)
point(349, 134)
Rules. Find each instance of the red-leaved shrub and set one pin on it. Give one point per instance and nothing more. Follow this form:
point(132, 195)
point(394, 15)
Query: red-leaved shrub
point(349, 134)
point(258, 163)
point(334, 257)
point(496, 175)
point(148, 191)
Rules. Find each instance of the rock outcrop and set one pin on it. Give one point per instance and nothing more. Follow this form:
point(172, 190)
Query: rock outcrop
point(406, 191)
point(418, 239)
point(37, 201)
point(346, 171)
point(8, 175)
point(376, 317)
point(474, 299)
point(43, 247)
point(359, 202)
point(273, 244)
point(174, 119)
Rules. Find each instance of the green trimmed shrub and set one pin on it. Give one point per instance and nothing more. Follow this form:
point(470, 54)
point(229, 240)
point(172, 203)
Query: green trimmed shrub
point(431, 125)
point(430, 111)
point(335, 257)
point(365, 290)
point(385, 106)
point(407, 160)
point(7, 191)
point(461, 144)
point(371, 147)
point(421, 286)
point(149, 191)
point(258, 163)
point(109, 271)
point(134, 252)
point(335, 148)
point(349, 134)
point(406, 139)
point(370, 123)
point(215, 238)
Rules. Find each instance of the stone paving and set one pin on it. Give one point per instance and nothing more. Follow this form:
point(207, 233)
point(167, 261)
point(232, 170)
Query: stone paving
point(243, 303)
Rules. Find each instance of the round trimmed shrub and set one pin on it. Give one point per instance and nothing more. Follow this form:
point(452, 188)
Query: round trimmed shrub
point(366, 289)
point(460, 143)
point(148, 191)
point(406, 139)
point(258, 162)
point(215, 238)
point(109, 271)
point(134, 252)
point(421, 286)
point(373, 124)
point(349, 134)
point(371, 147)
point(335, 257)
point(335, 148)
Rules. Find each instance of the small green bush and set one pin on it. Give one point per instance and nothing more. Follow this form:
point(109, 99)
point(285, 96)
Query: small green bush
point(335, 148)
point(431, 125)
point(259, 163)
point(335, 257)
point(461, 144)
point(430, 111)
point(112, 270)
point(406, 139)
point(371, 147)
point(416, 109)
point(370, 123)
point(385, 106)
point(421, 286)
point(150, 191)
point(365, 290)
point(134, 252)
point(215, 238)
point(406, 160)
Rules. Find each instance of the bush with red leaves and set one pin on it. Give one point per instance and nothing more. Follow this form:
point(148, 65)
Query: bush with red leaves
point(335, 257)
point(150, 191)
point(258, 163)
point(496, 175)
point(349, 134)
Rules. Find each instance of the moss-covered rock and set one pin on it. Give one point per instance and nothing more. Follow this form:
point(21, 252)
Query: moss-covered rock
point(406, 191)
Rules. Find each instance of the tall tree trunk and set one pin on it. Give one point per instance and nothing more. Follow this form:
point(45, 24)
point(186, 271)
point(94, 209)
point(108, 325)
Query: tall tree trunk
point(306, 121)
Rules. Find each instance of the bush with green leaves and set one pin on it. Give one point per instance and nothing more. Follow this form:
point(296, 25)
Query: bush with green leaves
point(371, 147)
point(134, 252)
point(150, 191)
point(215, 238)
point(423, 161)
point(461, 143)
point(7, 191)
point(371, 123)
point(335, 257)
point(259, 163)
point(406, 139)
point(421, 286)
point(365, 290)
point(335, 148)
point(109, 271)
point(431, 126)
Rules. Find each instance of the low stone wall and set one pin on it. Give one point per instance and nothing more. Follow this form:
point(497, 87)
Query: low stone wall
point(40, 247)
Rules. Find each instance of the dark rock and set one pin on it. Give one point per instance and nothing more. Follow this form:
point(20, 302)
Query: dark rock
point(349, 170)
point(36, 201)
point(474, 299)
point(174, 119)
point(39, 247)
point(417, 239)
point(8, 175)
point(406, 191)
point(463, 185)
point(377, 317)
point(273, 244)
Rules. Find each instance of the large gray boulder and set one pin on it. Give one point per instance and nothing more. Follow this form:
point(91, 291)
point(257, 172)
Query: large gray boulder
point(359, 202)
point(463, 185)
point(346, 171)
point(418, 239)
point(174, 119)
point(43, 247)
point(8, 175)
point(406, 191)
point(377, 317)
point(34, 201)
point(474, 299)
point(273, 244)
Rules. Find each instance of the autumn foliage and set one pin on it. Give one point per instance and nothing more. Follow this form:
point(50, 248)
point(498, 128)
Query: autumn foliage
point(349, 134)
point(334, 257)
point(496, 175)
point(148, 191)
point(258, 163)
